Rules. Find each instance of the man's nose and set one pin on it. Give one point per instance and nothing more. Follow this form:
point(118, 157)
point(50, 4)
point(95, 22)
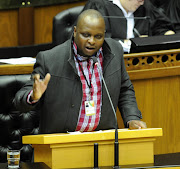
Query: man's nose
point(91, 40)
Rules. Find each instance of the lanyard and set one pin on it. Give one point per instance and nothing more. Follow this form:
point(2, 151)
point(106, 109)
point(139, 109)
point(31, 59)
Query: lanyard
point(89, 84)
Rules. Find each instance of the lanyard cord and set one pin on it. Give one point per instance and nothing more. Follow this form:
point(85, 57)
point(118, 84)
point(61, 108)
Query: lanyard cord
point(89, 84)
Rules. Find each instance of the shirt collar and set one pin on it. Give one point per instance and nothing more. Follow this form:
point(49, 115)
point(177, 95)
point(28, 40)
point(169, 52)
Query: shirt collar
point(118, 3)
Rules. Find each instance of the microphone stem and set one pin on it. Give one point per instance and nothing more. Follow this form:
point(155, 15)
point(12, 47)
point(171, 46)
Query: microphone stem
point(136, 31)
point(116, 150)
point(116, 143)
point(96, 156)
point(108, 96)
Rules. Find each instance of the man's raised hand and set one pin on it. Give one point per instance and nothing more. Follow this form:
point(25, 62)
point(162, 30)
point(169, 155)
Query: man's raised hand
point(39, 86)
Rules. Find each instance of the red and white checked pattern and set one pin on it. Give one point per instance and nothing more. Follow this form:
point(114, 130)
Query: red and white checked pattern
point(90, 123)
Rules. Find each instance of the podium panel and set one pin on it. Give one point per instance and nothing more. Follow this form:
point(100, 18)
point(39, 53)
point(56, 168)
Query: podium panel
point(76, 150)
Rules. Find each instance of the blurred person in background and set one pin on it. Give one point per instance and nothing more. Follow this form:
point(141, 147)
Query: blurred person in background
point(127, 19)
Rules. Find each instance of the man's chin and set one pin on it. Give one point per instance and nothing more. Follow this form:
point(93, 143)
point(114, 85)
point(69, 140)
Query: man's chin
point(87, 53)
point(90, 54)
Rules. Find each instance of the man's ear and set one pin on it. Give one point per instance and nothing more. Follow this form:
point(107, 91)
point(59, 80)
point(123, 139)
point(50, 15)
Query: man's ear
point(74, 34)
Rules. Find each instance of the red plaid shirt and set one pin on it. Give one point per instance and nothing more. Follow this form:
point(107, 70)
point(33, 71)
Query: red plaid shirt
point(89, 123)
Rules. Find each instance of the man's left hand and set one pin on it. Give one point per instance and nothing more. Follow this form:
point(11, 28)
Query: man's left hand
point(137, 124)
point(169, 32)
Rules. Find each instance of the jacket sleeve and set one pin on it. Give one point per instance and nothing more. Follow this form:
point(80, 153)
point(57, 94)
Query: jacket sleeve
point(127, 101)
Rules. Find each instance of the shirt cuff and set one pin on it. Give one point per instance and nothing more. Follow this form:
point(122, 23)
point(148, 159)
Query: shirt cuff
point(29, 98)
point(128, 123)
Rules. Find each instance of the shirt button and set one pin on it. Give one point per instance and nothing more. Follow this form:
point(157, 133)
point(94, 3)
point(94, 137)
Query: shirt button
point(72, 105)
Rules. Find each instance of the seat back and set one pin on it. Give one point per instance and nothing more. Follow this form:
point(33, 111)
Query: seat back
point(63, 24)
point(13, 123)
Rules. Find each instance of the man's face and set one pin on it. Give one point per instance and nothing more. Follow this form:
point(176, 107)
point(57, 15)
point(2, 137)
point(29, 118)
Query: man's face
point(89, 35)
point(132, 5)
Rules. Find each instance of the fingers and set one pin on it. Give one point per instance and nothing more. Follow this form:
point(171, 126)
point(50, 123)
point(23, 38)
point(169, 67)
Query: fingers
point(143, 36)
point(143, 124)
point(39, 86)
point(133, 125)
point(170, 32)
point(47, 78)
point(137, 124)
point(36, 77)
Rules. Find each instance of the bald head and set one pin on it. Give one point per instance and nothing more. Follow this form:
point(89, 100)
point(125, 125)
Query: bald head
point(90, 15)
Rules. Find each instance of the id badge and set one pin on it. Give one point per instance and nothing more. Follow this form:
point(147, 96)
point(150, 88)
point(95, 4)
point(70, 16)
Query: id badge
point(89, 108)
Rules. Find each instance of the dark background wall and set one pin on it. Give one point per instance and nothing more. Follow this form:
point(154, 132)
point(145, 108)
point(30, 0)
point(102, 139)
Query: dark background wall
point(28, 22)
point(12, 4)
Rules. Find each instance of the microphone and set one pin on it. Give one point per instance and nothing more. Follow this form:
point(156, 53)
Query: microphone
point(116, 143)
point(137, 32)
point(130, 17)
point(145, 18)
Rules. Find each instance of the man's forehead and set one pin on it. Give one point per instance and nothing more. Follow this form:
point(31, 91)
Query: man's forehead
point(91, 28)
point(88, 19)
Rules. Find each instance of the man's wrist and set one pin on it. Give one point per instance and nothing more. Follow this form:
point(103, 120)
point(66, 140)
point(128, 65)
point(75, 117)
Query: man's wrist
point(30, 100)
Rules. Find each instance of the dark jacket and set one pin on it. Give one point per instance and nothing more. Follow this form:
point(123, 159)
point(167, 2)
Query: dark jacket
point(151, 20)
point(172, 11)
point(61, 102)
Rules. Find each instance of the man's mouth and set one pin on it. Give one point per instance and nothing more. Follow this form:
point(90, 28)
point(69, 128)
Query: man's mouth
point(90, 48)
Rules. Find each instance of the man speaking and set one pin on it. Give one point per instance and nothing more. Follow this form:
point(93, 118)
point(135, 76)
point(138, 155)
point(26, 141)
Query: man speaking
point(67, 87)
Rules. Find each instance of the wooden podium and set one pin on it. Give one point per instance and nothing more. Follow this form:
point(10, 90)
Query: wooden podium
point(76, 150)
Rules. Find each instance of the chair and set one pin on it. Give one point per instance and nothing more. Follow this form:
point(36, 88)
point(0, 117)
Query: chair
point(13, 123)
point(63, 24)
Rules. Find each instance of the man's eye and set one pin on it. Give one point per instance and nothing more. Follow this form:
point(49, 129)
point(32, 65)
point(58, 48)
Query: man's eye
point(85, 35)
point(98, 36)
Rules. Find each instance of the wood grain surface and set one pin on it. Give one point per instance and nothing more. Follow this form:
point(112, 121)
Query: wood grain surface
point(8, 28)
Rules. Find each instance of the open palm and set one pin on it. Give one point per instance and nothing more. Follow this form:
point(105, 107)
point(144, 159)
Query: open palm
point(39, 86)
